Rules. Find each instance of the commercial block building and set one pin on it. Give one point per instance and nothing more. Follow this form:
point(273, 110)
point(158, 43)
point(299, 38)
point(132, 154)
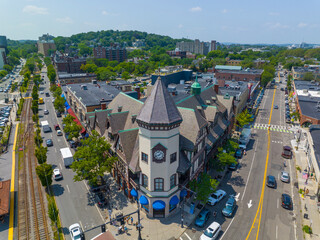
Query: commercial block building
point(223, 73)
point(67, 64)
point(112, 53)
point(172, 75)
point(70, 78)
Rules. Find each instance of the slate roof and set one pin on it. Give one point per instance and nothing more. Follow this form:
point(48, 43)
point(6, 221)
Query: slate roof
point(315, 134)
point(184, 163)
point(159, 108)
point(309, 107)
point(94, 94)
point(117, 121)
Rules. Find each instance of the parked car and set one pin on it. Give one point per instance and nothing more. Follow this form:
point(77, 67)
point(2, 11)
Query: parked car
point(285, 177)
point(238, 153)
point(72, 144)
point(230, 207)
point(212, 232)
point(41, 92)
point(49, 143)
point(58, 114)
point(45, 112)
point(57, 174)
point(202, 217)
point(271, 181)
point(56, 127)
point(287, 152)
point(233, 166)
point(286, 201)
point(75, 231)
point(59, 133)
point(47, 94)
point(216, 197)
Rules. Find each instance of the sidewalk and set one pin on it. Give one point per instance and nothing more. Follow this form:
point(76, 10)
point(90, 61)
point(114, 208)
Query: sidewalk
point(308, 203)
point(152, 228)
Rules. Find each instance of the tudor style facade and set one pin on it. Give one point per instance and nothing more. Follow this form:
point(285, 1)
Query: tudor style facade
point(162, 145)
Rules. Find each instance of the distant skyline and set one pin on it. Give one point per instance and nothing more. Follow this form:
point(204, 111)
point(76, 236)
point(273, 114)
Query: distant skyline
point(246, 21)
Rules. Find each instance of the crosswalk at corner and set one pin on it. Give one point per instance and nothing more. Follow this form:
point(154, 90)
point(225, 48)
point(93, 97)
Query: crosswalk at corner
point(276, 128)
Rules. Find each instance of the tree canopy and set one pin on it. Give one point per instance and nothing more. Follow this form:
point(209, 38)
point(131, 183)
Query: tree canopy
point(204, 187)
point(45, 172)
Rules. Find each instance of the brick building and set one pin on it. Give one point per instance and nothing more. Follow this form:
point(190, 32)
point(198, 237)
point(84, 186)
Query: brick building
point(112, 53)
point(237, 74)
point(70, 78)
point(67, 64)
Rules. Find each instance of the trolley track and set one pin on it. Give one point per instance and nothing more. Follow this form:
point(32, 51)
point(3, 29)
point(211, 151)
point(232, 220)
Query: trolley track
point(32, 218)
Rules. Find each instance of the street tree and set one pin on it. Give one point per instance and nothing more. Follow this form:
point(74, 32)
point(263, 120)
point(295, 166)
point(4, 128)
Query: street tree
point(53, 211)
point(204, 187)
point(226, 158)
point(45, 172)
point(73, 130)
point(92, 160)
point(59, 104)
point(41, 154)
point(243, 118)
point(266, 77)
point(68, 119)
point(57, 92)
point(37, 137)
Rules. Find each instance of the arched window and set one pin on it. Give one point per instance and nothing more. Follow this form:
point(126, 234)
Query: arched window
point(144, 180)
point(172, 181)
point(158, 184)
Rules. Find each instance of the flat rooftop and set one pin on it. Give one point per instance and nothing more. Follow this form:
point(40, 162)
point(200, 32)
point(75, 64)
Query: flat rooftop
point(315, 134)
point(94, 94)
point(62, 75)
point(245, 71)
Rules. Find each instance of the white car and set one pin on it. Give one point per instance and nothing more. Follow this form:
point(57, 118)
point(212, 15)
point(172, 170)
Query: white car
point(42, 92)
point(57, 174)
point(59, 133)
point(216, 197)
point(212, 232)
point(285, 177)
point(75, 231)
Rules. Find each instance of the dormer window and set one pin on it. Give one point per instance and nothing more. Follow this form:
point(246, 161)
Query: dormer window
point(119, 108)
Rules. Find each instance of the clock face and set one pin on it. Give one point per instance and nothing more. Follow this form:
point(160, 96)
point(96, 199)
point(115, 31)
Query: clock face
point(159, 155)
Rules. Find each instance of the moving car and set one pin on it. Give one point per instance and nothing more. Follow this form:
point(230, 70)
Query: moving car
point(202, 217)
point(230, 207)
point(46, 129)
point(75, 231)
point(271, 181)
point(47, 94)
point(46, 112)
point(276, 107)
point(286, 201)
point(41, 92)
point(59, 133)
point(216, 197)
point(285, 177)
point(49, 143)
point(212, 232)
point(56, 127)
point(57, 174)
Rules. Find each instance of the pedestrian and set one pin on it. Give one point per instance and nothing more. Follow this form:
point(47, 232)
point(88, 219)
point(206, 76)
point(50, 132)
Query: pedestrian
point(127, 219)
point(137, 226)
point(307, 191)
point(244, 152)
point(131, 219)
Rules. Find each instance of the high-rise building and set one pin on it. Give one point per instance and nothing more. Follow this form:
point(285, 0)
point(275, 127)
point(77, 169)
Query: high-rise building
point(45, 44)
point(3, 49)
point(213, 45)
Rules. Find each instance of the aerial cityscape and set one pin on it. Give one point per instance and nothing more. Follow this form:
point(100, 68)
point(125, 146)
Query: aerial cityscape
point(176, 121)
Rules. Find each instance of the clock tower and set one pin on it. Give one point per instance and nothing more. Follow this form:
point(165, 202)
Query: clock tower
point(159, 150)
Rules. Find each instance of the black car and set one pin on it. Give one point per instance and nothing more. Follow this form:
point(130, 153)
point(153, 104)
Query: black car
point(58, 114)
point(49, 143)
point(47, 94)
point(72, 144)
point(271, 181)
point(286, 201)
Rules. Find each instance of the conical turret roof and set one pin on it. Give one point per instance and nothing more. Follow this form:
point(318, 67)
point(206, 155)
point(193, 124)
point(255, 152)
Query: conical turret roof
point(159, 108)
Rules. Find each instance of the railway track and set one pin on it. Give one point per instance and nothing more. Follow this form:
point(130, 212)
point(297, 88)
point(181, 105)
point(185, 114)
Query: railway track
point(32, 218)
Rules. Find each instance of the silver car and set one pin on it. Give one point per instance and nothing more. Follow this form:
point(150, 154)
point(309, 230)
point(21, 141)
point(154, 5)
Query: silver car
point(285, 177)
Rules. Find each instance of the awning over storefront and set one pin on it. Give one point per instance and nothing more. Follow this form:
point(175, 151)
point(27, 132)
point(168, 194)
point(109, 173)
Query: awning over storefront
point(159, 205)
point(75, 118)
point(183, 193)
point(134, 193)
point(174, 200)
point(143, 200)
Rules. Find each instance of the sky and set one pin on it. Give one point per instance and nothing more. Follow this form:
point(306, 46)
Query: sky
point(236, 21)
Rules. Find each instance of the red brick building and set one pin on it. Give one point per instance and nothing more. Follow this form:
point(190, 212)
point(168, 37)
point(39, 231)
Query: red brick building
point(63, 63)
point(238, 75)
point(112, 53)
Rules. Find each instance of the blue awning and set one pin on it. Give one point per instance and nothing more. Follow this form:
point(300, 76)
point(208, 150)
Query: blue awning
point(183, 193)
point(134, 193)
point(143, 200)
point(174, 200)
point(159, 205)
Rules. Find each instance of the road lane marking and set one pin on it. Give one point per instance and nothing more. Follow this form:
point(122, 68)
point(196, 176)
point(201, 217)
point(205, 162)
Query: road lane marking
point(250, 204)
point(60, 166)
point(181, 238)
point(188, 236)
point(292, 195)
point(277, 202)
point(253, 158)
point(68, 188)
point(227, 229)
point(276, 231)
point(259, 209)
point(55, 149)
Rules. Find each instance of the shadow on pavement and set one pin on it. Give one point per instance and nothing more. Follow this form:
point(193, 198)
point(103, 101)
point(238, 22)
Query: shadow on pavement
point(57, 189)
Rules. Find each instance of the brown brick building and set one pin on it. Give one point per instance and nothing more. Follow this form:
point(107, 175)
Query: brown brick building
point(66, 64)
point(239, 75)
point(112, 53)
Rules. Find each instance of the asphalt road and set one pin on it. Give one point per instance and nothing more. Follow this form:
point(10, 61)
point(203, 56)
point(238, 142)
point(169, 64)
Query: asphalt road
point(273, 222)
point(71, 197)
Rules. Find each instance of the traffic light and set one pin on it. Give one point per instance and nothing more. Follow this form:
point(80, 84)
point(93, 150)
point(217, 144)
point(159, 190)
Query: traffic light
point(103, 228)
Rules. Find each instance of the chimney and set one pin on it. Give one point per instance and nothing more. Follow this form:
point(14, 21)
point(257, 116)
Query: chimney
point(133, 117)
point(103, 106)
point(216, 88)
point(137, 89)
point(119, 108)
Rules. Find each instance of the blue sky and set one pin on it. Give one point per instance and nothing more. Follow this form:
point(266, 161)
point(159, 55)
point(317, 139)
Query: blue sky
point(240, 21)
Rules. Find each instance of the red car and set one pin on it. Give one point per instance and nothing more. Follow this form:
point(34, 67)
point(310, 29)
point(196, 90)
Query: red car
point(287, 152)
point(56, 127)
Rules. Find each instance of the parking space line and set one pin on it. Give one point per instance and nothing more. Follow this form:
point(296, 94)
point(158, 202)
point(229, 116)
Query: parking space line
point(181, 238)
point(187, 236)
point(227, 229)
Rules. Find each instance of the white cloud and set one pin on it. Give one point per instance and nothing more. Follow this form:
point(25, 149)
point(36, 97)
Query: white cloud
point(274, 13)
point(302, 25)
point(276, 26)
point(104, 12)
point(180, 26)
point(224, 11)
point(31, 9)
point(196, 9)
point(66, 20)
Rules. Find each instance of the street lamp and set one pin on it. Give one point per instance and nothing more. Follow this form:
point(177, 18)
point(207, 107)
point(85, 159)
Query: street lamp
point(134, 193)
